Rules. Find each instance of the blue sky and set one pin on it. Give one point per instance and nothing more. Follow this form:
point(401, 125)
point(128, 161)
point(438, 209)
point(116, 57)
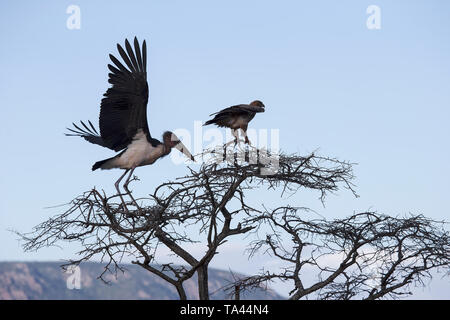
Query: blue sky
point(379, 98)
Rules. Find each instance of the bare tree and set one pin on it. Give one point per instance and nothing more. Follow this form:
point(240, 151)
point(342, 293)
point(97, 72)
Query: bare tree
point(212, 201)
point(366, 256)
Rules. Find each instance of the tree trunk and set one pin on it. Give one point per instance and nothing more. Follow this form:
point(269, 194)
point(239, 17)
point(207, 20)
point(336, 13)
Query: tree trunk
point(181, 292)
point(202, 273)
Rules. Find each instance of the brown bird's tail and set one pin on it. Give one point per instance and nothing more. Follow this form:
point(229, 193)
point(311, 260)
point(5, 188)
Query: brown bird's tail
point(212, 121)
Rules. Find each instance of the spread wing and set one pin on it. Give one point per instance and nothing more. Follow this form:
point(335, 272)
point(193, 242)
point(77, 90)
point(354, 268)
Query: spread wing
point(123, 109)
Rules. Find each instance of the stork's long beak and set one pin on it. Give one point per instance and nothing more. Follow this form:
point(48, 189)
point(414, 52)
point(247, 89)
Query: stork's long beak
point(182, 148)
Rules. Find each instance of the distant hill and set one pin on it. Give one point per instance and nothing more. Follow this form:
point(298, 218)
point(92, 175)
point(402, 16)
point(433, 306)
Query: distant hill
point(46, 280)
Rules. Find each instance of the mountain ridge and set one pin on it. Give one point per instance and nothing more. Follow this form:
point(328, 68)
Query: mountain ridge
point(46, 280)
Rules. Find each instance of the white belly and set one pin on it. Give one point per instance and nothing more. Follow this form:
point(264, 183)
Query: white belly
point(139, 153)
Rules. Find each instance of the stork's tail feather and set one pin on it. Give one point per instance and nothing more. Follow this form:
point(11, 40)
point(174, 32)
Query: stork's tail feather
point(99, 164)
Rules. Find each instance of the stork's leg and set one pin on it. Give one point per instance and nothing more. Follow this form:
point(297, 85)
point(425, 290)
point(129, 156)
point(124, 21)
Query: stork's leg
point(117, 187)
point(125, 186)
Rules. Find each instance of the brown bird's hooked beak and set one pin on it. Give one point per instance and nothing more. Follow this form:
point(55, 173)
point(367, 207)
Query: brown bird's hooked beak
point(182, 148)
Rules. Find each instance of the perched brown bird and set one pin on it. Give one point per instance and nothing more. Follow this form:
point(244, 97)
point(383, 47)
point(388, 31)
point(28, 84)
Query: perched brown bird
point(237, 117)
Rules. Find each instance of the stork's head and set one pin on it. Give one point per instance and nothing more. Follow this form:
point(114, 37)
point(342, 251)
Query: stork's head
point(259, 106)
point(171, 141)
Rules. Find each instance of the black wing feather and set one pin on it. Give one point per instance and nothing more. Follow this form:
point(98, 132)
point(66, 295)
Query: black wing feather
point(131, 55)
point(138, 55)
point(125, 58)
point(144, 56)
point(93, 128)
point(113, 69)
point(123, 110)
point(118, 64)
point(90, 135)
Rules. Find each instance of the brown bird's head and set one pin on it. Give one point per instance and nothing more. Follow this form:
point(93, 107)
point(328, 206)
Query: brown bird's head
point(170, 140)
point(259, 106)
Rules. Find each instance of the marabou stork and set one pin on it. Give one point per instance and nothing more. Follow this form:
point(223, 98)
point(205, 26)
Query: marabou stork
point(237, 117)
point(123, 118)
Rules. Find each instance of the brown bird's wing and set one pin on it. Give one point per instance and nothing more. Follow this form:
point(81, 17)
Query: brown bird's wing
point(223, 117)
point(235, 110)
